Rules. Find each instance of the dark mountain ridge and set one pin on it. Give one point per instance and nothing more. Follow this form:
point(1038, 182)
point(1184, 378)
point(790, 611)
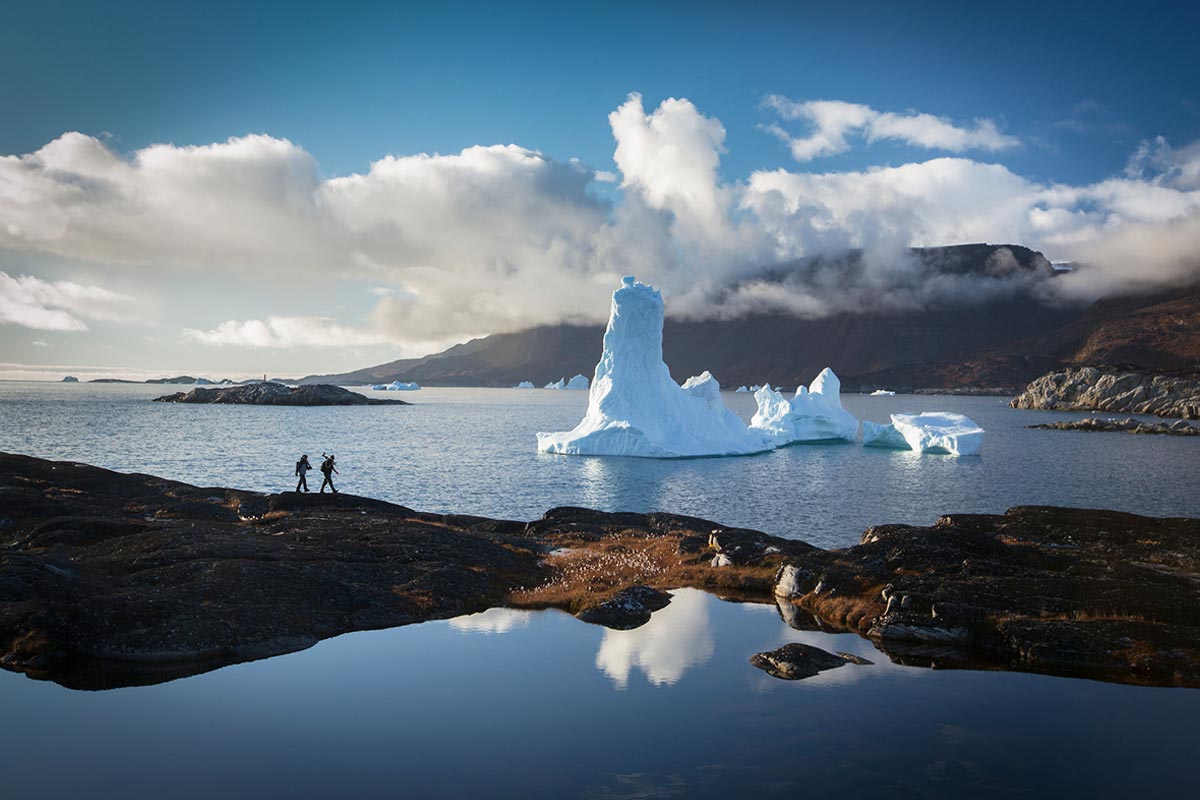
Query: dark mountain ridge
point(1005, 341)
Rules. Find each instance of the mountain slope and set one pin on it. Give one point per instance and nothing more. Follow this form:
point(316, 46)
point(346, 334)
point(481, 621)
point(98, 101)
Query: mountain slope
point(998, 343)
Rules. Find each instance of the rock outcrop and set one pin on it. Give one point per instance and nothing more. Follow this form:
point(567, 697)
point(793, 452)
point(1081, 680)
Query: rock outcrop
point(1128, 425)
point(109, 579)
point(276, 394)
point(1115, 390)
point(796, 661)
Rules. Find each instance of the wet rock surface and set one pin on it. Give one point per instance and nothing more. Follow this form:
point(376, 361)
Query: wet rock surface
point(629, 608)
point(796, 661)
point(1116, 390)
point(276, 394)
point(1128, 425)
point(109, 579)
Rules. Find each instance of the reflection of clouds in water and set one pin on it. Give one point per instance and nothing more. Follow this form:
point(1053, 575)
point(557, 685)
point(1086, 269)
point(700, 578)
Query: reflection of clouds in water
point(676, 638)
point(494, 620)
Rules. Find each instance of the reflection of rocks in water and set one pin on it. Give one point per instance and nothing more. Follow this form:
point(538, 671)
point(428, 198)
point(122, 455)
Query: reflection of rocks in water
point(676, 638)
point(796, 661)
point(494, 620)
point(629, 608)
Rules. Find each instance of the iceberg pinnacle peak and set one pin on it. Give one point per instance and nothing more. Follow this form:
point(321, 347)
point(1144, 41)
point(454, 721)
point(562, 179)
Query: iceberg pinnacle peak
point(635, 408)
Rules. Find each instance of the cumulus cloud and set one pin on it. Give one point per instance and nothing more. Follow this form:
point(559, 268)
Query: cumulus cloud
point(280, 332)
point(501, 237)
point(56, 306)
point(833, 121)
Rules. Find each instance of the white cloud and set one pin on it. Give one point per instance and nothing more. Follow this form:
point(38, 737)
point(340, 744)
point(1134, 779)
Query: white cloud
point(280, 332)
point(56, 306)
point(502, 237)
point(832, 121)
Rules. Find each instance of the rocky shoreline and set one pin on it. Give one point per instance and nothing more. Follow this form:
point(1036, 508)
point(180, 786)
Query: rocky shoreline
point(1117, 390)
point(277, 394)
point(1128, 425)
point(109, 579)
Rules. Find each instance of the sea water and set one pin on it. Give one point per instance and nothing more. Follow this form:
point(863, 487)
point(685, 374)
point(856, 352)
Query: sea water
point(473, 451)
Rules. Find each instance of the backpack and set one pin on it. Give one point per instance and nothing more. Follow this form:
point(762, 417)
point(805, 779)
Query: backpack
point(327, 466)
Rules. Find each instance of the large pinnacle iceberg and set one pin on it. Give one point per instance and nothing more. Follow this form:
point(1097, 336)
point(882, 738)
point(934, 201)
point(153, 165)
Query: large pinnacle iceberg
point(636, 409)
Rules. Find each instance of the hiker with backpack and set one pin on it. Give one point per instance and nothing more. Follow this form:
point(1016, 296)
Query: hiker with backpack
point(327, 467)
point(302, 468)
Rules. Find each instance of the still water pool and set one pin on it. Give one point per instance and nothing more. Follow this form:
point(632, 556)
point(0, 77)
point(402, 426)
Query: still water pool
point(517, 704)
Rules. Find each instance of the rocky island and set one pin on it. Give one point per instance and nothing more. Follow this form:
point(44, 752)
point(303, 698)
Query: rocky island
point(276, 394)
point(109, 579)
point(1113, 389)
point(1128, 425)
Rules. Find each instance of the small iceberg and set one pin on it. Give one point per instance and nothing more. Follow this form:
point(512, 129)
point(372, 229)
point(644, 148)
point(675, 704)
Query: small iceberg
point(578, 382)
point(741, 388)
point(928, 432)
point(882, 393)
point(755, 388)
point(203, 382)
point(396, 386)
point(524, 385)
point(636, 409)
point(813, 414)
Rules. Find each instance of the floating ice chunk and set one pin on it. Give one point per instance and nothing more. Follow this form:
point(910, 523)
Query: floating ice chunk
point(524, 385)
point(755, 388)
point(578, 382)
point(400, 386)
point(635, 409)
point(814, 414)
point(882, 393)
point(928, 432)
point(742, 388)
point(559, 384)
point(878, 435)
point(379, 387)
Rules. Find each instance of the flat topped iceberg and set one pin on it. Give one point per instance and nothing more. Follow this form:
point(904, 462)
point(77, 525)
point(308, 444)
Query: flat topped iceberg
point(882, 393)
point(636, 409)
point(395, 386)
point(524, 385)
point(813, 414)
point(929, 432)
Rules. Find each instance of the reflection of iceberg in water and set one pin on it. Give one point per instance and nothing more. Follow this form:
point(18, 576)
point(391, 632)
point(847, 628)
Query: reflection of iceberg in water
point(494, 620)
point(675, 639)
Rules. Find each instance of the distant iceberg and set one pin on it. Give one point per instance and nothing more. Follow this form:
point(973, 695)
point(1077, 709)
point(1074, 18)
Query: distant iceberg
point(813, 414)
point(636, 409)
point(928, 432)
point(203, 382)
point(396, 386)
point(578, 382)
point(524, 385)
point(882, 393)
point(741, 388)
point(755, 388)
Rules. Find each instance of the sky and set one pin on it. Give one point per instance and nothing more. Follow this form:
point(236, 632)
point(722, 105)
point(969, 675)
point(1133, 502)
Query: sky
point(232, 189)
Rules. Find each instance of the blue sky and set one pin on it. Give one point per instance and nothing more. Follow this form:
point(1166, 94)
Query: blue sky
point(1084, 81)
point(204, 220)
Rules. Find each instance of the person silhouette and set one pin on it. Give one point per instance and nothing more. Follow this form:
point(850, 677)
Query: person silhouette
point(327, 467)
point(302, 468)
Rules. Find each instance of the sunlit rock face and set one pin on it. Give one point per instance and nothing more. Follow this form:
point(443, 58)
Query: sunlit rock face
point(636, 409)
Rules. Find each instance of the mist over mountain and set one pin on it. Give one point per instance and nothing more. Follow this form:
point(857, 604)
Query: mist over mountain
point(976, 315)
